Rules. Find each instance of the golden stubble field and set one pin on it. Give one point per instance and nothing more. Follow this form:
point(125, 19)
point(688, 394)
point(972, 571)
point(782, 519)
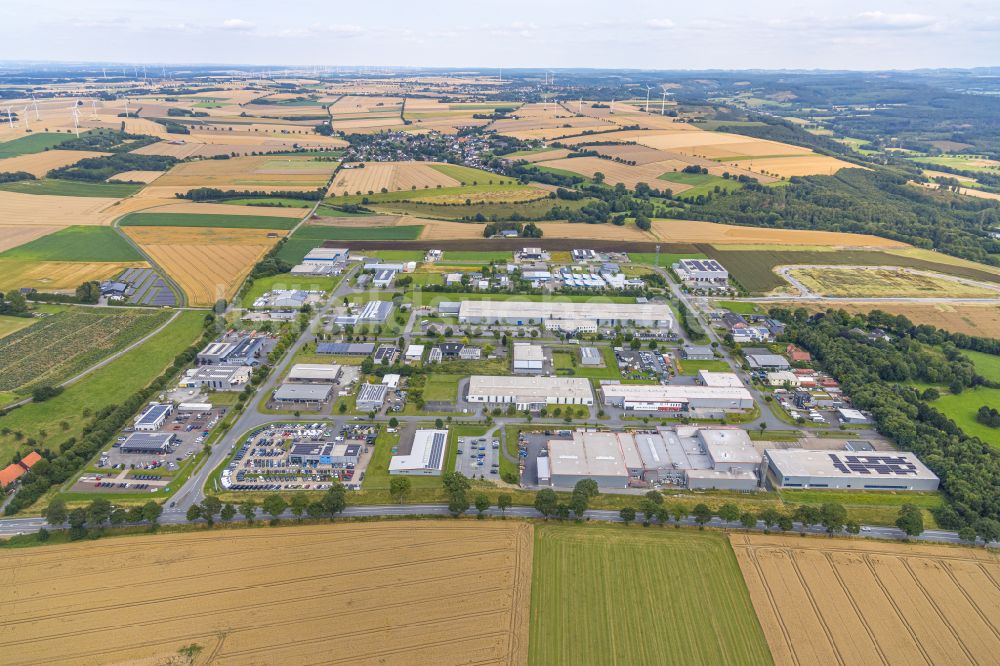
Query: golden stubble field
point(39, 164)
point(207, 263)
point(970, 318)
point(378, 593)
point(393, 176)
point(834, 601)
point(47, 210)
point(58, 275)
point(262, 173)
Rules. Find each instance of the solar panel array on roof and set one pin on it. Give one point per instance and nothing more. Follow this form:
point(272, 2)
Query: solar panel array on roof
point(873, 464)
point(152, 414)
point(345, 348)
point(437, 449)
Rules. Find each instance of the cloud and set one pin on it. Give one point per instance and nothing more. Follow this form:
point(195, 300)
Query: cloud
point(238, 24)
point(660, 24)
point(883, 21)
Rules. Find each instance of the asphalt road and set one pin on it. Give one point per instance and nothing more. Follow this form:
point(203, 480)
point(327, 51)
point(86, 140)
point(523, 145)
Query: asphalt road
point(14, 526)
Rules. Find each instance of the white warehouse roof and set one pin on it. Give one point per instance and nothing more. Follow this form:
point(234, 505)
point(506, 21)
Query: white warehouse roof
point(531, 388)
point(317, 372)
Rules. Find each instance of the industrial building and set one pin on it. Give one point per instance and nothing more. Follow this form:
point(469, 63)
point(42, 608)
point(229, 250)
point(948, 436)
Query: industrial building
point(874, 470)
point(413, 353)
point(383, 278)
point(223, 377)
point(157, 443)
point(314, 394)
point(701, 272)
point(762, 359)
point(550, 314)
point(372, 312)
point(345, 348)
point(682, 399)
point(697, 353)
point(531, 393)
point(327, 255)
point(590, 357)
point(371, 397)
point(589, 455)
point(385, 354)
point(426, 456)
point(315, 373)
point(528, 358)
point(153, 417)
point(240, 350)
point(847, 415)
point(719, 379)
point(287, 298)
point(686, 456)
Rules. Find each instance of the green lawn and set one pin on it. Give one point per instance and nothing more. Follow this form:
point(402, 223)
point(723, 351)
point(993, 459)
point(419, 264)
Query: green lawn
point(477, 258)
point(666, 259)
point(962, 410)
point(606, 594)
point(33, 143)
point(10, 325)
point(441, 388)
point(567, 364)
point(987, 365)
point(208, 220)
point(377, 475)
point(396, 255)
point(692, 367)
point(112, 383)
point(310, 236)
point(740, 307)
point(72, 188)
point(702, 183)
point(289, 281)
point(79, 243)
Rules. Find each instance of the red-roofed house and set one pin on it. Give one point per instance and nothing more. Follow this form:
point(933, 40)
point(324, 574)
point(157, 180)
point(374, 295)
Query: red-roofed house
point(28, 461)
point(10, 474)
point(798, 355)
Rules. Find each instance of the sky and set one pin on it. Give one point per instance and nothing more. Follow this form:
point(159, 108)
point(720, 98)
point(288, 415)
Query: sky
point(640, 34)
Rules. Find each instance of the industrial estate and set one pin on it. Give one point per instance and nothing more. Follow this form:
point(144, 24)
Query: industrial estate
point(237, 304)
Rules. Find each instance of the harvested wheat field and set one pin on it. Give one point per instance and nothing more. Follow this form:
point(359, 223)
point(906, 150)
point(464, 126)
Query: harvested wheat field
point(805, 165)
point(58, 275)
point(616, 172)
point(207, 263)
point(145, 177)
point(47, 210)
point(377, 593)
point(633, 153)
point(12, 236)
point(970, 318)
point(39, 164)
point(232, 209)
point(393, 176)
point(262, 173)
point(885, 281)
point(690, 231)
point(829, 601)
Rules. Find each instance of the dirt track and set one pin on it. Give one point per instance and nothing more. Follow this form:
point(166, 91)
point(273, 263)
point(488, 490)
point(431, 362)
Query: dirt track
point(381, 593)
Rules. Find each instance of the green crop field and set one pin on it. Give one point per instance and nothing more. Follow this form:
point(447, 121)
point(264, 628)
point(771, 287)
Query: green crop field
point(666, 258)
point(753, 269)
point(606, 594)
point(208, 220)
point(58, 346)
point(702, 183)
point(740, 307)
point(289, 281)
point(475, 258)
point(962, 408)
point(269, 202)
point(10, 325)
point(63, 417)
point(35, 143)
point(72, 188)
point(490, 211)
point(82, 243)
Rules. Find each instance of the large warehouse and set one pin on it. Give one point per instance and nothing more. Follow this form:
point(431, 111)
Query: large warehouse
point(426, 456)
point(521, 313)
point(590, 455)
point(528, 358)
point(157, 443)
point(532, 393)
point(868, 470)
point(317, 373)
point(691, 399)
point(313, 394)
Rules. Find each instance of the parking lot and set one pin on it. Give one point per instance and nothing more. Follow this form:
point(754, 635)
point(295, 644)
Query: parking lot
point(263, 461)
point(641, 364)
point(118, 472)
point(478, 456)
point(530, 445)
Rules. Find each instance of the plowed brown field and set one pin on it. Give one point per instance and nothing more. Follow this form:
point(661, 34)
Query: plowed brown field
point(207, 263)
point(823, 601)
point(383, 593)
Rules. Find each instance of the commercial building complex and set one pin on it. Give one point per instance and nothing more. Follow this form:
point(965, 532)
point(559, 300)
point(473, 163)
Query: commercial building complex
point(426, 456)
point(156, 443)
point(316, 373)
point(324, 453)
point(316, 394)
point(554, 314)
point(528, 358)
point(685, 456)
point(371, 397)
point(240, 350)
point(690, 399)
point(872, 470)
point(153, 417)
point(345, 348)
point(531, 393)
point(372, 312)
point(224, 377)
point(701, 272)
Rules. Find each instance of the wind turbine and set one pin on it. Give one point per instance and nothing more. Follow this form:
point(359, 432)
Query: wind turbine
point(579, 107)
point(25, 112)
point(76, 119)
point(612, 105)
point(648, 88)
point(105, 71)
point(663, 103)
point(93, 104)
point(37, 117)
point(10, 118)
point(126, 107)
